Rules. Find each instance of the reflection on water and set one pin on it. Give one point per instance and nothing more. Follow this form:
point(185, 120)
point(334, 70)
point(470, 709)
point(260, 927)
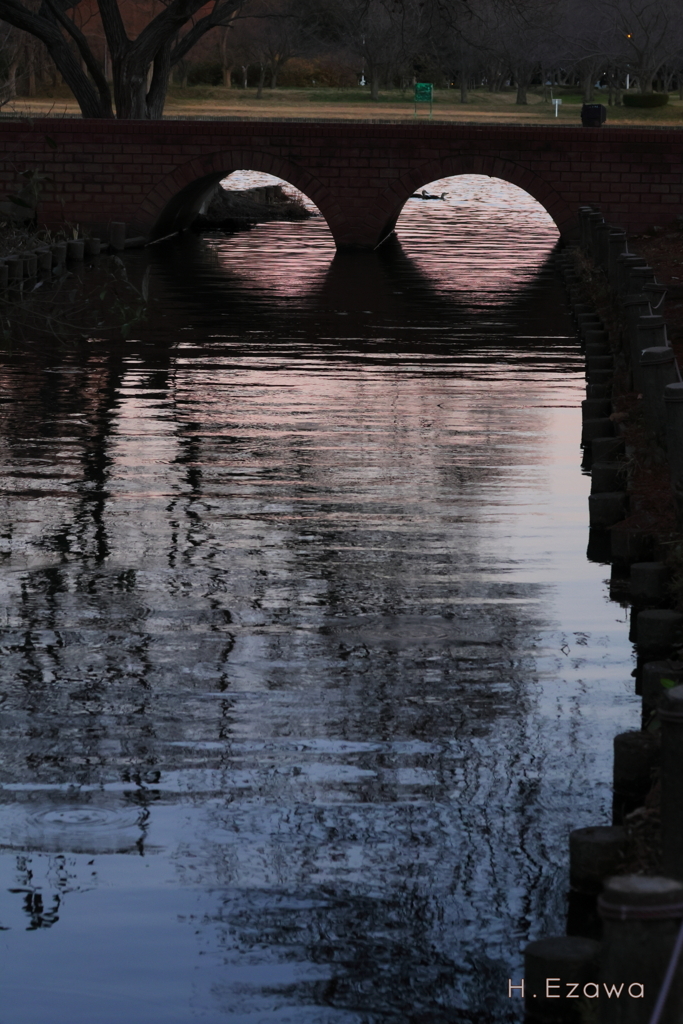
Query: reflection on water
point(305, 677)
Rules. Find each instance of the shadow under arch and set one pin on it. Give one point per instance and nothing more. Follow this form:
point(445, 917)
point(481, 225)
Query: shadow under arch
point(399, 191)
point(175, 201)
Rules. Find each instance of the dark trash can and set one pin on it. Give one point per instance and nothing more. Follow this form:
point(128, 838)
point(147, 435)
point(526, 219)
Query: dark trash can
point(593, 115)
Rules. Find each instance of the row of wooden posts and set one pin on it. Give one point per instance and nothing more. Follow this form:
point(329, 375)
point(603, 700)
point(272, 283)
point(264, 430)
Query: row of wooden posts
point(51, 258)
point(621, 961)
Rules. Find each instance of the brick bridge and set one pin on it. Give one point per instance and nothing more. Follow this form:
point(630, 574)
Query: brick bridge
point(155, 175)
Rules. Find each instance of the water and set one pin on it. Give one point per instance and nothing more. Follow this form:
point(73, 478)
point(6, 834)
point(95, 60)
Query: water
point(305, 676)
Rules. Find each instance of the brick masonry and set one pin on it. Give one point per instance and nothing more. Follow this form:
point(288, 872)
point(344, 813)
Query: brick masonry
point(154, 175)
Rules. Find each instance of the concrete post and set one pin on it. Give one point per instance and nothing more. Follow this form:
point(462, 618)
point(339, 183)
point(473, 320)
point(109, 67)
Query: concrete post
point(596, 408)
point(595, 219)
point(658, 630)
point(636, 755)
point(640, 276)
point(607, 508)
point(591, 429)
point(641, 919)
point(608, 476)
point(588, 320)
point(15, 267)
point(634, 307)
point(92, 247)
point(30, 265)
point(624, 264)
point(551, 966)
point(657, 369)
point(671, 717)
point(58, 251)
point(584, 214)
point(650, 332)
point(597, 336)
point(117, 235)
point(44, 257)
point(656, 293)
point(602, 232)
point(595, 853)
point(75, 249)
point(648, 583)
point(617, 244)
point(601, 362)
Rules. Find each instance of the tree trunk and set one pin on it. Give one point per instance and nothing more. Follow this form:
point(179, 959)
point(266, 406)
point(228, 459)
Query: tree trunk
point(261, 80)
point(587, 85)
point(159, 42)
point(130, 92)
point(245, 71)
point(522, 86)
point(463, 87)
point(226, 61)
point(374, 85)
point(274, 69)
point(30, 58)
point(158, 84)
point(12, 78)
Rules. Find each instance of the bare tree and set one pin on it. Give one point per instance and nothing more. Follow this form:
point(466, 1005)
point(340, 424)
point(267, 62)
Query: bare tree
point(141, 67)
point(459, 48)
point(651, 33)
point(11, 46)
point(370, 33)
point(527, 47)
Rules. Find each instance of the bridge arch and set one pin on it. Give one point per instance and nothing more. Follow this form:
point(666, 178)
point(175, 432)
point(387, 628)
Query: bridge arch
point(395, 196)
point(175, 201)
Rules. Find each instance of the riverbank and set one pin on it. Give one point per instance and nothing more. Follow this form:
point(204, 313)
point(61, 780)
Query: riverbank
point(652, 508)
point(356, 105)
point(646, 539)
point(66, 285)
point(232, 210)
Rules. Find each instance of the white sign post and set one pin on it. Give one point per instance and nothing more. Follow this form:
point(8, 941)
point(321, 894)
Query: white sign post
point(556, 104)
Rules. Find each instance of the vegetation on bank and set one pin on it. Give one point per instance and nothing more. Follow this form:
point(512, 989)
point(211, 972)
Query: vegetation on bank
point(95, 297)
point(70, 300)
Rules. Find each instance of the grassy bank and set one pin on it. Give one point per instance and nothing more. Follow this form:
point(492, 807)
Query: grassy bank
point(356, 104)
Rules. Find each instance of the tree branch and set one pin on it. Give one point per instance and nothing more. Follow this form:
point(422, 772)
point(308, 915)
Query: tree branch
point(44, 26)
point(221, 15)
point(113, 26)
point(83, 48)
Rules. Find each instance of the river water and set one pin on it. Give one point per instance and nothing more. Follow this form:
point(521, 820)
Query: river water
point(305, 675)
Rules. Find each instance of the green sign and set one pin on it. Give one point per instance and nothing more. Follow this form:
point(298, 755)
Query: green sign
point(423, 92)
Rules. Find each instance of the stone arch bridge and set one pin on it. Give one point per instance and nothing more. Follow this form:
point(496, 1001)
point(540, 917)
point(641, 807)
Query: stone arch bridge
point(155, 175)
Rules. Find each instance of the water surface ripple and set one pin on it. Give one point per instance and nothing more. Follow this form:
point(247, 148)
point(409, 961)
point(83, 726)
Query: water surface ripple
point(305, 677)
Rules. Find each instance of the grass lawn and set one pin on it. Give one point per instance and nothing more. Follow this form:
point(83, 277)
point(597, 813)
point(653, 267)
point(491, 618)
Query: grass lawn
point(356, 105)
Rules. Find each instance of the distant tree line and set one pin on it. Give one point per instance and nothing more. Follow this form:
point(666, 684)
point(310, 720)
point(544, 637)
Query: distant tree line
point(120, 56)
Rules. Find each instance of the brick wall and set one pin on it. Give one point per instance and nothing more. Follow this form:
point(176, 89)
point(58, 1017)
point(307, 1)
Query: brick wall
point(150, 174)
